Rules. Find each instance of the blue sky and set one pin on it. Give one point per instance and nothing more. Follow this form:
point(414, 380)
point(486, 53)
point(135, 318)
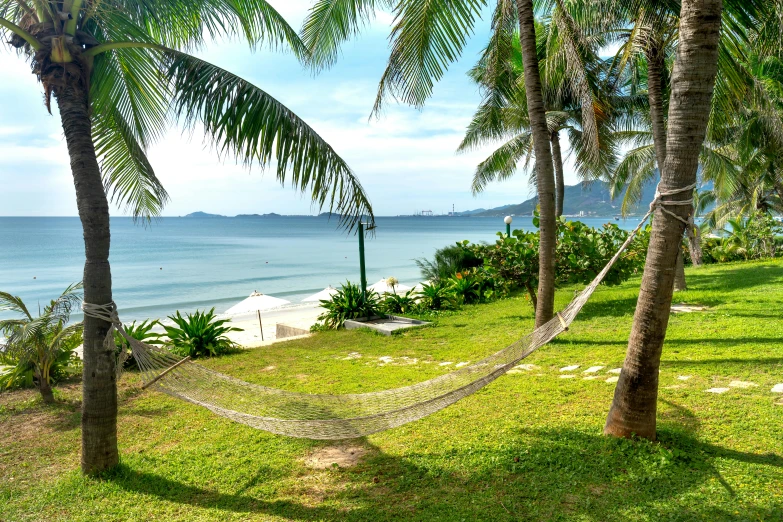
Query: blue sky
point(405, 159)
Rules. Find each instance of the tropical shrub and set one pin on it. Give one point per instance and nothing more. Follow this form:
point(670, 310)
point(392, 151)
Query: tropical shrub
point(141, 332)
point(436, 296)
point(348, 303)
point(200, 334)
point(466, 287)
point(446, 262)
point(399, 304)
point(40, 350)
point(757, 237)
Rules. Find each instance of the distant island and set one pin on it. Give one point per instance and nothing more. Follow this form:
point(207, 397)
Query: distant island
point(583, 199)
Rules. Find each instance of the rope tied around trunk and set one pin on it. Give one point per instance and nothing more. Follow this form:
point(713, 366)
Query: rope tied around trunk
point(657, 202)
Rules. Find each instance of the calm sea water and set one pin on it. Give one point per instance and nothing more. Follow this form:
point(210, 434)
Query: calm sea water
point(195, 263)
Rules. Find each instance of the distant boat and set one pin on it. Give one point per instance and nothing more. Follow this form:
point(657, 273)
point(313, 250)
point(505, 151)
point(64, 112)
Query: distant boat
point(617, 218)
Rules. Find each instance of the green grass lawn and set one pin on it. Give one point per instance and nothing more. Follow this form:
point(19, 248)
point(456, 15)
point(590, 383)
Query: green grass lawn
point(527, 447)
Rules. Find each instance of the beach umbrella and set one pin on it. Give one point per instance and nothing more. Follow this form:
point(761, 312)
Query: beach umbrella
point(382, 287)
point(255, 303)
point(323, 295)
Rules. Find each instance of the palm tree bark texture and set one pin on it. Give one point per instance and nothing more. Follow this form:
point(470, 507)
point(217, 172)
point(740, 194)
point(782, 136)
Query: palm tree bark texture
point(99, 395)
point(545, 178)
point(634, 407)
point(559, 180)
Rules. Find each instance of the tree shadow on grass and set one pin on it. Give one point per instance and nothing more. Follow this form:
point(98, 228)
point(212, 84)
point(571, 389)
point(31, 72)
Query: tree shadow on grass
point(735, 277)
point(609, 308)
point(531, 474)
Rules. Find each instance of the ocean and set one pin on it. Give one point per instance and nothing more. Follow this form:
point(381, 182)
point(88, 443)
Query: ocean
point(199, 263)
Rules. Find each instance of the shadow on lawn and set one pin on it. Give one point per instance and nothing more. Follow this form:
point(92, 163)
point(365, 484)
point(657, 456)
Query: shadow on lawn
point(529, 475)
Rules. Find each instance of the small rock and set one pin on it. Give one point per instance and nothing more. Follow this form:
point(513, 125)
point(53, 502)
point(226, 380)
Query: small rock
point(567, 376)
point(461, 364)
point(569, 368)
point(386, 359)
point(611, 380)
point(594, 369)
point(717, 390)
point(445, 363)
point(527, 367)
point(778, 388)
point(742, 384)
point(615, 370)
point(514, 371)
point(684, 377)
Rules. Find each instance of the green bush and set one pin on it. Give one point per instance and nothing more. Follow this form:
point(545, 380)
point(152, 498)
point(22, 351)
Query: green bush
point(348, 303)
point(400, 304)
point(200, 334)
point(757, 237)
point(141, 332)
point(446, 262)
point(437, 296)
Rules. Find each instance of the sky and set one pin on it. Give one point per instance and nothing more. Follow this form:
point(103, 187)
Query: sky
point(405, 159)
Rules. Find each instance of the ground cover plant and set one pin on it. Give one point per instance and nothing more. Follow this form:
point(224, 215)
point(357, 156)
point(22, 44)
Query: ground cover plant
point(527, 447)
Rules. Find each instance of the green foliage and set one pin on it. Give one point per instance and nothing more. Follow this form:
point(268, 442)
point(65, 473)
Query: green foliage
point(757, 237)
point(446, 262)
point(200, 334)
point(437, 296)
point(39, 350)
point(348, 303)
point(400, 304)
point(141, 332)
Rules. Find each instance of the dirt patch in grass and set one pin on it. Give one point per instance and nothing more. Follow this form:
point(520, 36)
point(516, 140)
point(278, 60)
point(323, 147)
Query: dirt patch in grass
point(344, 456)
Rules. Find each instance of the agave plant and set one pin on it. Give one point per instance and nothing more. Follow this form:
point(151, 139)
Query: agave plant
point(465, 287)
point(400, 304)
point(200, 334)
point(349, 303)
point(141, 332)
point(436, 296)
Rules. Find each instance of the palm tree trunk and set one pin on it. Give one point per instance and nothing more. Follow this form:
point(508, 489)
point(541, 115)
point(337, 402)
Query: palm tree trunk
point(45, 388)
point(633, 409)
point(99, 394)
point(694, 245)
point(559, 182)
point(655, 65)
point(545, 177)
point(679, 274)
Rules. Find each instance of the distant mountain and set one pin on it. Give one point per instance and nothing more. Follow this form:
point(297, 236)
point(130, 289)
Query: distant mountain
point(271, 214)
point(203, 215)
point(590, 198)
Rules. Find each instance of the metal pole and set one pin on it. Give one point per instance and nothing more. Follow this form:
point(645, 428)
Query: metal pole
point(361, 261)
point(508, 229)
point(260, 324)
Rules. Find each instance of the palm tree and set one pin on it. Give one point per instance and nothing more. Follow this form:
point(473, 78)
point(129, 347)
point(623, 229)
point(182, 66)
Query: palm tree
point(427, 37)
point(503, 111)
point(120, 73)
point(634, 406)
point(38, 342)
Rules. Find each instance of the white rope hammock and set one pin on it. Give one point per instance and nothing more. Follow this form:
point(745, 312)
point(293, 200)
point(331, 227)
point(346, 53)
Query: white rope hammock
point(341, 416)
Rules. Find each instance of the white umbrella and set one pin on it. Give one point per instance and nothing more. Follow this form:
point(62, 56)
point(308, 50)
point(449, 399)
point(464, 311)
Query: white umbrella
point(382, 287)
point(255, 303)
point(323, 295)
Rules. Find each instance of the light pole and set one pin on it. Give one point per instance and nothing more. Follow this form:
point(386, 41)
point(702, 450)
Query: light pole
point(362, 269)
point(508, 221)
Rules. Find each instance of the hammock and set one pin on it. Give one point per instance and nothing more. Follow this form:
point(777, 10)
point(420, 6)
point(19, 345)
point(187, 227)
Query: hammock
point(334, 417)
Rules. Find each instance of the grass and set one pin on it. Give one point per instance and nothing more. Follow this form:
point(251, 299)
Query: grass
point(527, 447)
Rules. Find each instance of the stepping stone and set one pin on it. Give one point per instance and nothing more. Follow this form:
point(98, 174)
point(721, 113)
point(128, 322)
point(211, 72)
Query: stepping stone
point(616, 370)
point(567, 376)
point(684, 377)
point(611, 380)
point(386, 359)
point(686, 308)
point(591, 377)
point(717, 390)
point(778, 388)
point(569, 368)
point(352, 355)
point(742, 384)
point(594, 369)
point(527, 367)
point(461, 364)
point(513, 371)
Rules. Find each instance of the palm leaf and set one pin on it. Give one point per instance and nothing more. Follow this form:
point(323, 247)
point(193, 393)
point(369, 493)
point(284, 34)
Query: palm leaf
point(503, 162)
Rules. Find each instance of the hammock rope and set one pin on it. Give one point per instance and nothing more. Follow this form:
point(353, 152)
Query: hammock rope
point(334, 417)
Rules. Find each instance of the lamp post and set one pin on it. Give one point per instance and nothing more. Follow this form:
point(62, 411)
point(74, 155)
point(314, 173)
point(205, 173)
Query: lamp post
point(507, 220)
point(361, 261)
